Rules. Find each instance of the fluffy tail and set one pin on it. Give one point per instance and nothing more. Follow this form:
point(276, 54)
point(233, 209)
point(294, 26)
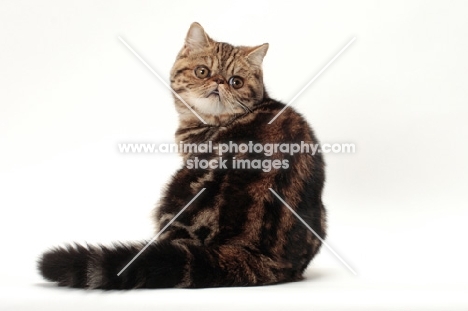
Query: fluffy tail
point(163, 264)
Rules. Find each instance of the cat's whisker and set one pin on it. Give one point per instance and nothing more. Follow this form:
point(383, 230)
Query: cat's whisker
point(232, 107)
point(218, 106)
point(245, 107)
point(229, 99)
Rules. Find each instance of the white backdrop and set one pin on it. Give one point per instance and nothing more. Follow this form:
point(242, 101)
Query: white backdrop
point(70, 91)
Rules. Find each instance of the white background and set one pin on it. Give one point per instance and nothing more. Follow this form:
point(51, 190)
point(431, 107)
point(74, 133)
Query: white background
point(70, 91)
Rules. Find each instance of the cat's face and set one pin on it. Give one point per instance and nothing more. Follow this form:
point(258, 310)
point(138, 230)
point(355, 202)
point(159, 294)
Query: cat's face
point(216, 78)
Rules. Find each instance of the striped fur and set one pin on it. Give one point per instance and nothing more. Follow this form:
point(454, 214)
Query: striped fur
point(236, 233)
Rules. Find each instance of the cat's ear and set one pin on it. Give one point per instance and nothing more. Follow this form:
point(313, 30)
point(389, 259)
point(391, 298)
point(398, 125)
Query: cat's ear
point(256, 54)
point(196, 39)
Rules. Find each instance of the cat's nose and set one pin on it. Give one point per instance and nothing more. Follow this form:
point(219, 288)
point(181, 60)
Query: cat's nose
point(219, 79)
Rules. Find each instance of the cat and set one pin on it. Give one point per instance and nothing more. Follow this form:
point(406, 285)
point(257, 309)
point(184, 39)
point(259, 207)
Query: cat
point(236, 233)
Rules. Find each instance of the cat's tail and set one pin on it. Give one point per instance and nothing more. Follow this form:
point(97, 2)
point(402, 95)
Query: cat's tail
point(163, 264)
point(160, 265)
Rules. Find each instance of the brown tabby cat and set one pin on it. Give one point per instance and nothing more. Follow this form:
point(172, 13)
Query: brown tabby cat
point(236, 233)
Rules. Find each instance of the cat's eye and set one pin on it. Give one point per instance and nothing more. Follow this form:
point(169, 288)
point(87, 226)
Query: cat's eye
point(236, 82)
point(202, 72)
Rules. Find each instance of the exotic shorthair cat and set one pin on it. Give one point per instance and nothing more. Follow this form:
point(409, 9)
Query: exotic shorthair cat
point(237, 232)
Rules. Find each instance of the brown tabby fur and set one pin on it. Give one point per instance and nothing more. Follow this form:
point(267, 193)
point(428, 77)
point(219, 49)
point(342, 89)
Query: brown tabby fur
point(236, 233)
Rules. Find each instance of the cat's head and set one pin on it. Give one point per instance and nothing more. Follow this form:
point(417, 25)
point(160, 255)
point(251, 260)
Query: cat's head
point(217, 79)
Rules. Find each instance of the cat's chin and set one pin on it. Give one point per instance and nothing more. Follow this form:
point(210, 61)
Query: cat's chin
point(211, 105)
